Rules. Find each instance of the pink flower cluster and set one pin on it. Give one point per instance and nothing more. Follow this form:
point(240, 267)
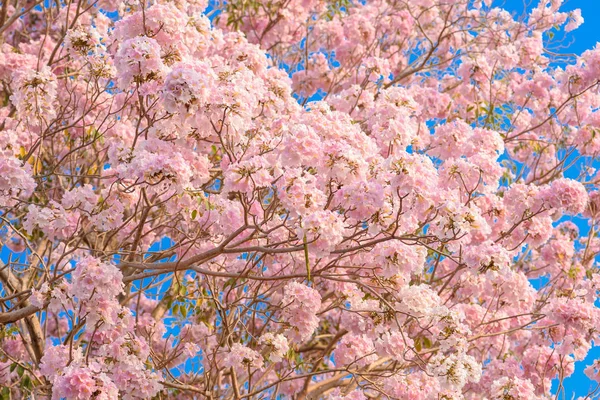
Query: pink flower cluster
point(300, 307)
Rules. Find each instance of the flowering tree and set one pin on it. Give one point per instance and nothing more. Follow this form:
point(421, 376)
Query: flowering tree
point(297, 198)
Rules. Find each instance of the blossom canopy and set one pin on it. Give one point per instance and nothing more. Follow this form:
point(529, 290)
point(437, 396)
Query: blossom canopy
point(303, 199)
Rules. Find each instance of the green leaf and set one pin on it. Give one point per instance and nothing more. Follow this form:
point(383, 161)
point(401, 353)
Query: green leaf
point(426, 343)
point(308, 278)
point(5, 393)
point(27, 382)
point(194, 214)
point(230, 282)
point(418, 345)
point(20, 371)
point(588, 274)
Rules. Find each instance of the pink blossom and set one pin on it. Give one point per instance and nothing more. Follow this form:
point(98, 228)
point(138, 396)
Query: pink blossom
point(76, 383)
point(324, 228)
point(95, 278)
point(357, 351)
point(300, 306)
point(34, 95)
point(278, 344)
point(593, 371)
point(55, 360)
point(16, 180)
point(566, 194)
point(518, 389)
point(575, 20)
point(138, 60)
point(241, 356)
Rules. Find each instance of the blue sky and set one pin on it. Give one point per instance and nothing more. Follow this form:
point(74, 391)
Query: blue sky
point(588, 34)
point(581, 39)
point(585, 37)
